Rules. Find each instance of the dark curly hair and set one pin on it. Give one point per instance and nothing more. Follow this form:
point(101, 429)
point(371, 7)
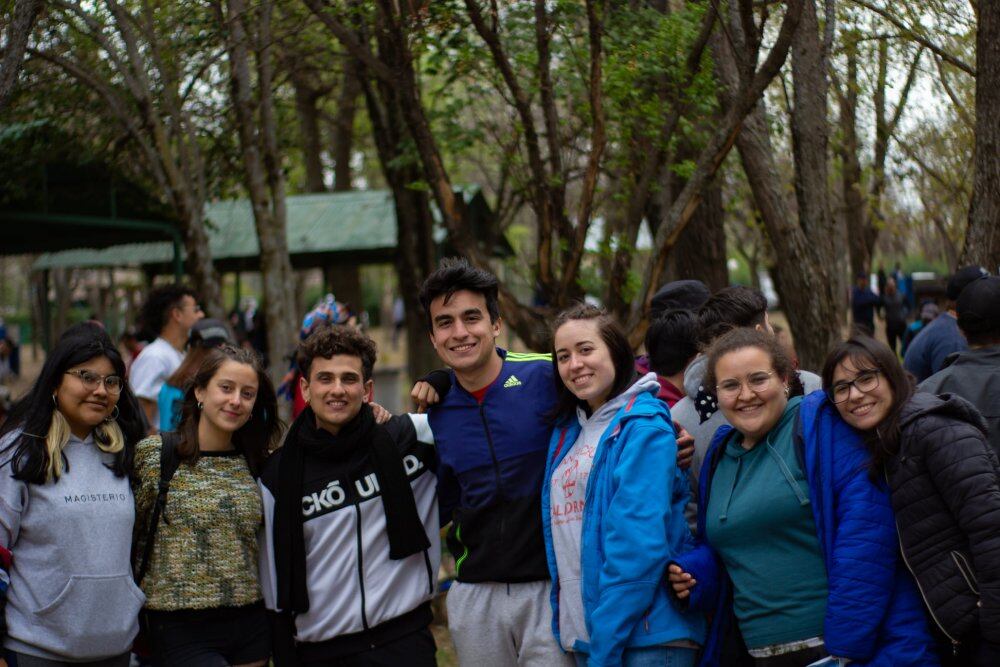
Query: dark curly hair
point(156, 310)
point(742, 338)
point(455, 274)
point(337, 339)
point(729, 308)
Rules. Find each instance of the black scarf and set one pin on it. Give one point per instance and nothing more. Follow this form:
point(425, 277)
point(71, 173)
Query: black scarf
point(405, 528)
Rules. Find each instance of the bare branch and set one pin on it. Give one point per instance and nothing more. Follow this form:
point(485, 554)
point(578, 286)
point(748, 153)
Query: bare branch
point(711, 157)
point(350, 41)
point(595, 29)
point(960, 109)
point(915, 35)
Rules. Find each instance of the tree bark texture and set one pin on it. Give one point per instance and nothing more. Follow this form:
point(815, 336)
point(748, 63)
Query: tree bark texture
point(851, 175)
point(700, 252)
point(22, 21)
point(343, 129)
point(310, 139)
point(982, 240)
point(810, 132)
point(262, 172)
point(803, 268)
point(415, 250)
point(749, 85)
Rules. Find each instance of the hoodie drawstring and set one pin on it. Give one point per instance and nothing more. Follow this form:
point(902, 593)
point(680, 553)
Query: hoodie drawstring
point(732, 490)
point(789, 477)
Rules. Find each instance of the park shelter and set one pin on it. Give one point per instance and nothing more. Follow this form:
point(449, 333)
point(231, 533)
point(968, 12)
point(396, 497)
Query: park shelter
point(55, 195)
point(337, 232)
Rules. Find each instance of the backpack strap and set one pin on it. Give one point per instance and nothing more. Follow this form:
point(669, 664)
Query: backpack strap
point(169, 461)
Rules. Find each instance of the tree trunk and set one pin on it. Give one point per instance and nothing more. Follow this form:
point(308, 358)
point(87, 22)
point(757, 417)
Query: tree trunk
point(198, 260)
point(700, 252)
point(23, 18)
point(343, 129)
point(982, 240)
point(850, 177)
point(804, 284)
point(309, 134)
point(415, 249)
point(263, 176)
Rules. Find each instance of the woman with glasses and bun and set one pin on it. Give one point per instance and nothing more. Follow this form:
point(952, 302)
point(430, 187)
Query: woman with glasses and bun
point(797, 558)
point(67, 512)
point(933, 453)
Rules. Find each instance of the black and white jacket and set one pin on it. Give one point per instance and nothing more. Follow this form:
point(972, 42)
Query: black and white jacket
point(354, 588)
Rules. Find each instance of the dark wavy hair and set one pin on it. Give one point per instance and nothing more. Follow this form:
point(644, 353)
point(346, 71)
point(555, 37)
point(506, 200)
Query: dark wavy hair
point(730, 308)
point(156, 310)
point(742, 338)
point(455, 274)
point(259, 435)
point(334, 339)
point(672, 341)
point(33, 415)
point(866, 353)
point(621, 356)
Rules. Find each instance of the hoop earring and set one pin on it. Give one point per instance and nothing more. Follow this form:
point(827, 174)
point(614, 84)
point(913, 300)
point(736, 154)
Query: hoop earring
point(54, 401)
point(200, 405)
point(113, 416)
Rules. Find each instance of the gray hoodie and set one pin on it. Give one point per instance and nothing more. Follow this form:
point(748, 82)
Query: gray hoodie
point(72, 597)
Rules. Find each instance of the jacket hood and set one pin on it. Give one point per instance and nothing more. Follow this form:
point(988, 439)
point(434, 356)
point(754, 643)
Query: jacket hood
point(694, 375)
point(946, 405)
point(647, 384)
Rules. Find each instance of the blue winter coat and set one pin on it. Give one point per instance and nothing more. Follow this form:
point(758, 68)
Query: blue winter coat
point(874, 613)
point(633, 485)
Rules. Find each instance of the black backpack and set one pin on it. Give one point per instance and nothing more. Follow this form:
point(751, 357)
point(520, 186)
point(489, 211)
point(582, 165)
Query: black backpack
point(169, 461)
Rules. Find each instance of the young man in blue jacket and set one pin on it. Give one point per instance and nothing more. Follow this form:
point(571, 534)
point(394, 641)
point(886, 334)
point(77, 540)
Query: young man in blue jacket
point(492, 431)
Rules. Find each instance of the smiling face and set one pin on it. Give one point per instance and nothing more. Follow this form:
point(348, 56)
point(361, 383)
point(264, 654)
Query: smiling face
point(584, 361)
point(82, 406)
point(462, 334)
point(752, 413)
point(229, 397)
point(336, 390)
point(862, 410)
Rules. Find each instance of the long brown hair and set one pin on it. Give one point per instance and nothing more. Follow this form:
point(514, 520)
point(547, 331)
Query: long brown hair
point(192, 362)
point(866, 353)
point(259, 435)
point(621, 356)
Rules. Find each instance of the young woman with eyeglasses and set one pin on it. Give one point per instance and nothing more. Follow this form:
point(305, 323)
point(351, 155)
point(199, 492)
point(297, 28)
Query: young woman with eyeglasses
point(67, 512)
point(797, 560)
point(933, 453)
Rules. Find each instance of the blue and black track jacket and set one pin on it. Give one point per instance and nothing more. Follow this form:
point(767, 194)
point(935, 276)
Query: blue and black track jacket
point(492, 461)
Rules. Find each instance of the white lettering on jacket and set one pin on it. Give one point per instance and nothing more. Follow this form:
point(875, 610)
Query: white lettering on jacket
point(332, 496)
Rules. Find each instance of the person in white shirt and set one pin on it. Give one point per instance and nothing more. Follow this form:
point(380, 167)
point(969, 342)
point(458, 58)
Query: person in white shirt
point(171, 310)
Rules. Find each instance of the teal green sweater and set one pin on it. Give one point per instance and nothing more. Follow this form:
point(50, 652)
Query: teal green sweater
point(760, 523)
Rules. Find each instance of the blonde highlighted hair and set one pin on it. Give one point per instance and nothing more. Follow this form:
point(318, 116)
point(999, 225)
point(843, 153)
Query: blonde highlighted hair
point(108, 437)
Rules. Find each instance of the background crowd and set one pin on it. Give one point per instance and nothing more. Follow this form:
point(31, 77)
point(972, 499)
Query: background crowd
point(708, 502)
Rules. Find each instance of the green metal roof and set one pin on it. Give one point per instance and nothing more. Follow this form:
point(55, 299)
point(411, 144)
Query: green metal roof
point(361, 220)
